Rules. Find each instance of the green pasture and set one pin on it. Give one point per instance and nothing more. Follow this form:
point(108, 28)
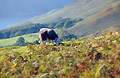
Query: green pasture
point(11, 41)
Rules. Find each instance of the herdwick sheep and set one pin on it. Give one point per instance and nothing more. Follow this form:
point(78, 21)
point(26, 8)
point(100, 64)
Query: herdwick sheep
point(48, 34)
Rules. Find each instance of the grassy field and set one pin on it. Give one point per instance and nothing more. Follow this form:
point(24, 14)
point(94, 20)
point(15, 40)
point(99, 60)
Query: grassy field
point(90, 57)
point(11, 41)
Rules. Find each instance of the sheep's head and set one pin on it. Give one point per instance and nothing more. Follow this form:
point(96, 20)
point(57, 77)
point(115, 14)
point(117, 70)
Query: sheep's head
point(57, 41)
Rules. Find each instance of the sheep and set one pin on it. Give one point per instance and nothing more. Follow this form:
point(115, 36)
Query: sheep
point(48, 34)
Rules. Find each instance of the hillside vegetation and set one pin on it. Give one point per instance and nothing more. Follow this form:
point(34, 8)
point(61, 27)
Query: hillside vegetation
point(21, 30)
point(90, 57)
point(61, 24)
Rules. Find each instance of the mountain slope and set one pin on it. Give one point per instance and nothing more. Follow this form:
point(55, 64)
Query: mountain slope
point(108, 17)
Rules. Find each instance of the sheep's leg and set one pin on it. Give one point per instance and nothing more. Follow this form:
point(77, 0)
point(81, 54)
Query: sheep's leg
point(47, 42)
point(40, 41)
point(53, 42)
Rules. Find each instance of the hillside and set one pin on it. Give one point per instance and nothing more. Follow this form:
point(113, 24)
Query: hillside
point(102, 20)
point(90, 57)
